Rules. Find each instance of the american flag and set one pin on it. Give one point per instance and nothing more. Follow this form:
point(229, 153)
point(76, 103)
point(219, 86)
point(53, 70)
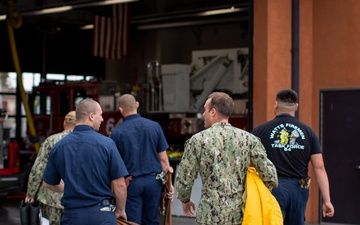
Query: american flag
point(110, 33)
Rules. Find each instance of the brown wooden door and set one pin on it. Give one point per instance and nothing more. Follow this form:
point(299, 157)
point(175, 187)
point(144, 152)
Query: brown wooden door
point(340, 139)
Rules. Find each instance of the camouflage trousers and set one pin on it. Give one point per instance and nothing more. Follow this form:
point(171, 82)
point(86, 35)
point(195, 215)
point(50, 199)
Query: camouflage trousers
point(52, 214)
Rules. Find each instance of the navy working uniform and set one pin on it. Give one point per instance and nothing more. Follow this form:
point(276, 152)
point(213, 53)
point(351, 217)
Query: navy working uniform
point(87, 162)
point(221, 154)
point(289, 144)
point(139, 141)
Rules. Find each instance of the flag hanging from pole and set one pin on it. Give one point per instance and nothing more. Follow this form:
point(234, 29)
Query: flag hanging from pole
point(110, 33)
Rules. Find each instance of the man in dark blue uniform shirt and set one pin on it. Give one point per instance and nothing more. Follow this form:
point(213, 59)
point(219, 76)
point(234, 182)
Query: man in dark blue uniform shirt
point(142, 145)
point(290, 145)
point(89, 164)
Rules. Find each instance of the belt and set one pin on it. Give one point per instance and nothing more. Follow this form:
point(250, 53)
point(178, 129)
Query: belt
point(105, 202)
point(148, 174)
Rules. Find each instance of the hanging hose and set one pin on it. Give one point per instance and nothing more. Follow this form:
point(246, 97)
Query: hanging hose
point(14, 20)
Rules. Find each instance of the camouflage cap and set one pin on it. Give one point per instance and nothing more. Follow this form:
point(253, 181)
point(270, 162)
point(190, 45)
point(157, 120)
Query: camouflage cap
point(71, 116)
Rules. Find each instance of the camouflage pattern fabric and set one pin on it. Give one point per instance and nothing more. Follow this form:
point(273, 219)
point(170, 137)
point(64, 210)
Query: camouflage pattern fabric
point(222, 155)
point(52, 214)
point(45, 196)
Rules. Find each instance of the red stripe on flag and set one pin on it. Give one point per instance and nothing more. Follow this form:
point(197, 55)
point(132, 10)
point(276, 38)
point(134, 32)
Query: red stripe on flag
point(110, 33)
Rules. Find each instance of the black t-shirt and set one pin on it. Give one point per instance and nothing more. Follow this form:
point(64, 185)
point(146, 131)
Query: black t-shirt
point(289, 144)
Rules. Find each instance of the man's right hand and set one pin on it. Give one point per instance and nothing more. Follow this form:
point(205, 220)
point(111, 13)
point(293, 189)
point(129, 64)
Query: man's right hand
point(120, 214)
point(28, 199)
point(328, 209)
point(189, 208)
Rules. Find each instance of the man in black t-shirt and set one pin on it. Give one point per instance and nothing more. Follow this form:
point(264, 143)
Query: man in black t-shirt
point(290, 145)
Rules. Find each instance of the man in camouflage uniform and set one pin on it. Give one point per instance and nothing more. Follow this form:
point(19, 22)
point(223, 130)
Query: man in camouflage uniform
point(221, 154)
point(51, 206)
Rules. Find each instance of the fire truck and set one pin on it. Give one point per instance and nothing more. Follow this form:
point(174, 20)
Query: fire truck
point(9, 160)
point(50, 102)
point(182, 89)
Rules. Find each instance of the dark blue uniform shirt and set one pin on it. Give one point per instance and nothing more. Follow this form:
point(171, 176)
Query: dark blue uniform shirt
point(87, 162)
point(139, 141)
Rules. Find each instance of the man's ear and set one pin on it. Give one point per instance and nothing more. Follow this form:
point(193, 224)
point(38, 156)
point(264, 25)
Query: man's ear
point(91, 116)
point(121, 111)
point(213, 112)
point(297, 106)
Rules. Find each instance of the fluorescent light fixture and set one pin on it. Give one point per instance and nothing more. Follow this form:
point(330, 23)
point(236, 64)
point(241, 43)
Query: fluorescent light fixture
point(109, 2)
point(87, 27)
point(219, 11)
point(69, 7)
point(106, 2)
point(50, 10)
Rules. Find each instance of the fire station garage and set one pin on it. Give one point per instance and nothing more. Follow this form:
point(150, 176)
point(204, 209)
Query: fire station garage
point(171, 54)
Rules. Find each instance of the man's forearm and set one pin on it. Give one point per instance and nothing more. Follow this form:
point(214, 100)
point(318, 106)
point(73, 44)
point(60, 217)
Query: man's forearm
point(56, 188)
point(164, 161)
point(323, 183)
point(120, 192)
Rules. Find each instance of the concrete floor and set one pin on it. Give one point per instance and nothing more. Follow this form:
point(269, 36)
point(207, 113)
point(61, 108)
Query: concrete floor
point(9, 215)
point(9, 212)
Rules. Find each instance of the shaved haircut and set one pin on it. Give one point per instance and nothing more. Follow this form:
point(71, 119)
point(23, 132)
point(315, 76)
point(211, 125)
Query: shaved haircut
point(127, 102)
point(287, 99)
point(84, 108)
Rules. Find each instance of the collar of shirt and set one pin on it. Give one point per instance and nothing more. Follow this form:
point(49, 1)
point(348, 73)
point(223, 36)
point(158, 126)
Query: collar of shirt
point(222, 124)
point(284, 115)
point(133, 116)
point(82, 128)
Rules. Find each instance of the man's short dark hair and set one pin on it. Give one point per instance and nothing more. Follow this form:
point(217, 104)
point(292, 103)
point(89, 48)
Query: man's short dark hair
point(222, 102)
point(287, 96)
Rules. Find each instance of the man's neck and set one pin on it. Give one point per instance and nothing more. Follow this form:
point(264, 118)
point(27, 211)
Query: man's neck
point(129, 114)
point(283, 112)
point(222, 121)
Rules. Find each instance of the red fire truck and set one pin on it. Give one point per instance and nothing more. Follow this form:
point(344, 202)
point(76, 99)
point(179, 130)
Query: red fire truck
point(9, 160)
point(50, 102)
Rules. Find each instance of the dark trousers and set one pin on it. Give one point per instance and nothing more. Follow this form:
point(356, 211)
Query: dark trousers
point(88, 216)
point(292, 200)
point(143, 199)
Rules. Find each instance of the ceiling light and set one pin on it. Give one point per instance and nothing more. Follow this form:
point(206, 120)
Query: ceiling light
point(219, 11)
point(110, 2)
point(87, 27)
point(50, 10)
point(69, 7)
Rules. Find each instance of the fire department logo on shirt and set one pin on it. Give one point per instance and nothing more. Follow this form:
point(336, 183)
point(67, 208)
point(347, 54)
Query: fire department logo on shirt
point(286, 136)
